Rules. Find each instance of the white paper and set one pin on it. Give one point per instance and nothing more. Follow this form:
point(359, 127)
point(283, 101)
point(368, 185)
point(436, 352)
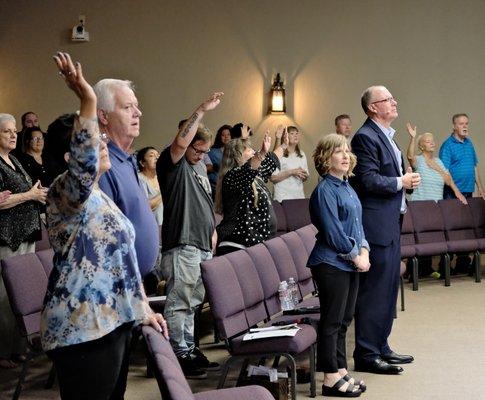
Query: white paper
point(157, 298)
point(270, 334)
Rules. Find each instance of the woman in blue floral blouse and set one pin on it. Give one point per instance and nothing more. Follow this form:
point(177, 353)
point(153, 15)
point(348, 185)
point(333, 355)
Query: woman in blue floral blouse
point(95, 294)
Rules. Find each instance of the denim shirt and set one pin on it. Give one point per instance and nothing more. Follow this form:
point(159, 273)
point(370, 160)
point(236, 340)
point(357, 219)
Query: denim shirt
point(95, 285)
point(336, 212)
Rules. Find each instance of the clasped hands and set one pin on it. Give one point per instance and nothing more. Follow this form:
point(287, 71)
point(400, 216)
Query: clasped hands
point(361, 261)
point(411, 180)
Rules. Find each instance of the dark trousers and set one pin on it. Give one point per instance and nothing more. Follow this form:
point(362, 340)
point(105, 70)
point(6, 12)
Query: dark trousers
point(94, 370)
point(376, 302)
point(337, 291)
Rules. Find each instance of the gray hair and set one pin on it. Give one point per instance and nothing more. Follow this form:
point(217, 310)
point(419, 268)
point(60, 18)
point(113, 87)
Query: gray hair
point(105, 90)
point(6, 118)
point(365, 99)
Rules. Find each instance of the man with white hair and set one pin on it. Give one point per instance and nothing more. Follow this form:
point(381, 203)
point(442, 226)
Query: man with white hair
point(380, 180)
point(119, 120)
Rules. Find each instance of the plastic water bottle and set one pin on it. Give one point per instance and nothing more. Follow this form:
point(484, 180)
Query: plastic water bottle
point(293, 291)
point(285, 297)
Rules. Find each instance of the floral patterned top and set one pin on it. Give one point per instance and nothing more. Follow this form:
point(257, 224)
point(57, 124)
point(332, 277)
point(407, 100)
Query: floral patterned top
point(95, 285)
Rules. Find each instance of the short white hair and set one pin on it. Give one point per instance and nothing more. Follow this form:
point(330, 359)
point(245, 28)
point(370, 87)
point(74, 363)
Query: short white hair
point(105, 90)
point(367, 95)
point(6, 118)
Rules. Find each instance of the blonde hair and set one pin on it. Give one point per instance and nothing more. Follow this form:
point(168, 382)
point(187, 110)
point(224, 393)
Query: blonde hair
point(232, 157)
point(422, 137)
point(324, 150)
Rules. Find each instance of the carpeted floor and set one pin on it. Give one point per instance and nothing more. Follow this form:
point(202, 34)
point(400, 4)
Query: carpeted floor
point(443, 327)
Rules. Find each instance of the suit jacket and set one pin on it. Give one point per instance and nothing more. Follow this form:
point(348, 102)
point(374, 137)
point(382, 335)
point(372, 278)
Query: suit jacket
point(376, 185)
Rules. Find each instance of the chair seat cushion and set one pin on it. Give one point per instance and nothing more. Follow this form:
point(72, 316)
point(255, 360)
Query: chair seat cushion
point(310, 302)
point(456, 246)
point(304, 338)
point(408, 251)
point(481, 244)
point(240, 393)
point(431, 249)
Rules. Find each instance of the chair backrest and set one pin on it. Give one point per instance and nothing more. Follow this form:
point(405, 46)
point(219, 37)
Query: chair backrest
point(268, 276)
point(170, 378)
point(458, 220)
point(307, 235)
point(477, 208)
point(283, 260)
point(407, 229)
point(280, 218)
point(26, 283)
point(43, 243)
point(225, 296)
point(297, 213)
point(428, 221)
point(250, 284)
point(46, 257)
point(300, 258)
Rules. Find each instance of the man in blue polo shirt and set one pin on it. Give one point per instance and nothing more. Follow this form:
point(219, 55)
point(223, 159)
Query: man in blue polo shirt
point(458, 155)
point(119, 118)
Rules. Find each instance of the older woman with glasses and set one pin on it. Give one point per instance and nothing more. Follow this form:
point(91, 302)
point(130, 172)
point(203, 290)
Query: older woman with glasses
point(19, 227)
point(31, 157)
point(242, 196)
point(94, 295)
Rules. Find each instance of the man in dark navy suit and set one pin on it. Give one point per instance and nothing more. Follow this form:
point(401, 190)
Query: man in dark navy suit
point(380, 181)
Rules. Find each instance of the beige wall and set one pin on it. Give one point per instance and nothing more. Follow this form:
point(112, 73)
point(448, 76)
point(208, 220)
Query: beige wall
point(429, 53)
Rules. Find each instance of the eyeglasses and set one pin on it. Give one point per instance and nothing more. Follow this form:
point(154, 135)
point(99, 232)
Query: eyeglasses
point(199, 152)
point(9, 131)
point(38, 139)
point(388, 100)
point(105, 138)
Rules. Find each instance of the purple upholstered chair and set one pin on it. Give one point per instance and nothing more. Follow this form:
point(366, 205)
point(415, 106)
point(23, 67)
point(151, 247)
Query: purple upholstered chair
point(25, 281)
point(477, 208)
point(297, 213)
point(459, 230)
point(237, 302)
point(429, 230)
point(408, 251)
point(43, 243)
point(171, 380)
point(280, 218)
point(300, 257)
point(307, 235)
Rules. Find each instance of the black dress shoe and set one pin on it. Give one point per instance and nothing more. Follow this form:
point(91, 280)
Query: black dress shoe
point(378, 366)
point(394, 358)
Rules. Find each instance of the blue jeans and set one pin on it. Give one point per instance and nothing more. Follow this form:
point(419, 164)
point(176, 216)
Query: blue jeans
point(185, 291)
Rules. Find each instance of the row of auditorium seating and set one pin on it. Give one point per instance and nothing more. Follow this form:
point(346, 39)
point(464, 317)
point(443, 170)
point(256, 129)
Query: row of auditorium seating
point(291, 215)
point(242, 289)
point(25, 278)
point(443, 228)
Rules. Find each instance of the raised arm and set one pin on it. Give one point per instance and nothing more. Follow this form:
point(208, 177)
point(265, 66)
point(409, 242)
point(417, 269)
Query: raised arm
point(189, 128)
point(411, 156)
point(71, 190)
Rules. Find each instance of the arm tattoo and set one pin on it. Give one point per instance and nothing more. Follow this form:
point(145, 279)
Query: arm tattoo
point(189, 125)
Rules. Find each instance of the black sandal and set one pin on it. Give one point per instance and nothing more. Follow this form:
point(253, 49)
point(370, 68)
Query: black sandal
point(360, 384)
point(335, 392)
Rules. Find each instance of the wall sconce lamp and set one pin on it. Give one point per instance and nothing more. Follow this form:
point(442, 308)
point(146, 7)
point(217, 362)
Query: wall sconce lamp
point(277, 104)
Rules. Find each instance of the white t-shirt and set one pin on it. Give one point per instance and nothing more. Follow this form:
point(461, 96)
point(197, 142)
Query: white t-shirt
point(291, 187)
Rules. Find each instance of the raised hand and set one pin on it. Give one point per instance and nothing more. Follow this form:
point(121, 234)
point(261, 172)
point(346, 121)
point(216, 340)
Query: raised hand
point(411, 130)
point(265, 146)
point(212, 102)
point(73, 76)
point(245, 131)
point(280, 129)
